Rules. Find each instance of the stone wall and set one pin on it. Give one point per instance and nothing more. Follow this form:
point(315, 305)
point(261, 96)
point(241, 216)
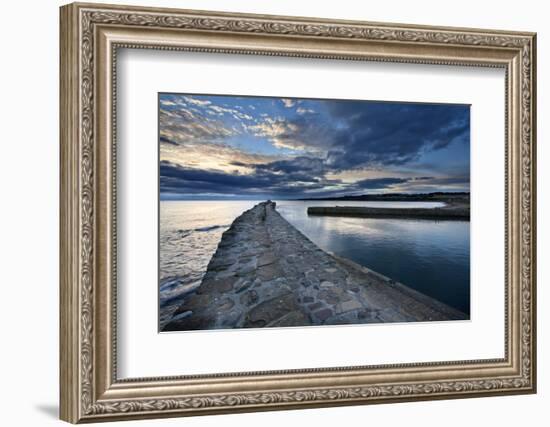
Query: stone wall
point(265, 273)
point(457, 213)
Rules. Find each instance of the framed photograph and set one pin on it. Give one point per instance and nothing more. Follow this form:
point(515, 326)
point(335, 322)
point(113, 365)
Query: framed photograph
point(265, 212)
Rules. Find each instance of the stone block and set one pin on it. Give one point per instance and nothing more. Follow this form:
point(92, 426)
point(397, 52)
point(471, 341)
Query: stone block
point(270, 310)
point(249, 298)
point(269, 272)
point(225, 305)
point(222, 285)
point(348, 306)
point(294, 318)
point(315, 306)
point(266, 258)
point(323, 314)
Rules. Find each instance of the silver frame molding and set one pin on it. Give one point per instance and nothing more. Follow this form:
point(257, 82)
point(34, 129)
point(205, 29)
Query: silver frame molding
point(90, 37)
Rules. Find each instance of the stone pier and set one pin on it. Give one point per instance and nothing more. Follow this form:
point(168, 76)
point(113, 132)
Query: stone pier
point(265, 273)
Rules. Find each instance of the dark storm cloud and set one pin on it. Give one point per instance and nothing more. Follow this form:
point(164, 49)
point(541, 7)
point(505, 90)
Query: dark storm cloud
point(379, 183)
point(310, 165)
point(178, 179)
point(461, 179)
point(359, 134)
point(393, 134)
point(215, 179)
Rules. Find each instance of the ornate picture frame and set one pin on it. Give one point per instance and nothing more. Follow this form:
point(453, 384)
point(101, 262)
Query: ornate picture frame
point(90, 37)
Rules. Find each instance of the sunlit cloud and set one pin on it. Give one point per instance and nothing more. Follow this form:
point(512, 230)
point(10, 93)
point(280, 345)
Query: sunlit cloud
point(213, 156)
point(196, 101)
point(301, 110)
point(183, 125)
point(288, 103)
point(281, 133)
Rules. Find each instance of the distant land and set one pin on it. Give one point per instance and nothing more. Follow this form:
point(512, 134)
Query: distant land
point(458, 197)
point(449, 197)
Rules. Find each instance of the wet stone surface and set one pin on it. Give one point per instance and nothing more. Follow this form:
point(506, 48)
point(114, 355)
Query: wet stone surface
point(265, 273)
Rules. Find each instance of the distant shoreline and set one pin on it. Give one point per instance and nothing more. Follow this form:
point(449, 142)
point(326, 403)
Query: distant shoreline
point(449, 198)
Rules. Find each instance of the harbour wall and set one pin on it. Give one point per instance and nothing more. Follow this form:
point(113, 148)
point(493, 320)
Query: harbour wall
point(451, 213)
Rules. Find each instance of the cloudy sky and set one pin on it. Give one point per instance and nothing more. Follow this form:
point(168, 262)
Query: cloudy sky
point(215, 147)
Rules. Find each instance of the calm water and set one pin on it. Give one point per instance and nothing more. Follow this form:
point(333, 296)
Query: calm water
point(430, 256)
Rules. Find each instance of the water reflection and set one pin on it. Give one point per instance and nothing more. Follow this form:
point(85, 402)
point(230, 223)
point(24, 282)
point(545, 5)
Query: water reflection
point(428, 255)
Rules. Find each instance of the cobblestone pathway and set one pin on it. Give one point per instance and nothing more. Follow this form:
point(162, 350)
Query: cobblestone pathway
point(265, 273)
